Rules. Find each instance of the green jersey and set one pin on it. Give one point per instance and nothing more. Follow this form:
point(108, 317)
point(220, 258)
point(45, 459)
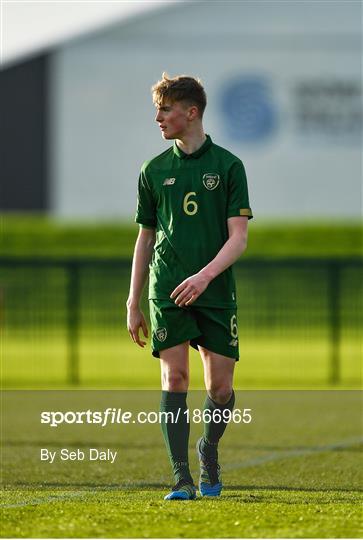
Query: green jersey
point(188, 199)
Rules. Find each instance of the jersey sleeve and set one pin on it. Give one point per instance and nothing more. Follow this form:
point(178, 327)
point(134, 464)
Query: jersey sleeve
point(146, 209)
point(238, 201)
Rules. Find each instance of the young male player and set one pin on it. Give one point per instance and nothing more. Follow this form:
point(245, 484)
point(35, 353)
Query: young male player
point(193, 211)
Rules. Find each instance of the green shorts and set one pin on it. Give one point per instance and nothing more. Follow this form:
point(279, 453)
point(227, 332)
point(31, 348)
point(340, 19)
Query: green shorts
point(212, 328)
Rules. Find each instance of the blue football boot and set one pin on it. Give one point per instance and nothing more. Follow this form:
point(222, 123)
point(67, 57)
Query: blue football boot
point(210, 481)
point(182, 491)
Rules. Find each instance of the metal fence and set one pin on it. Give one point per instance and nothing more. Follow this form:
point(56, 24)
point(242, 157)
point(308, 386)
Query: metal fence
point(60, 302)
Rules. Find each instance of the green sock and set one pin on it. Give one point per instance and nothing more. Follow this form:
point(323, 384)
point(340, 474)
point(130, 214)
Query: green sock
point(213, 430)
point(176, 434)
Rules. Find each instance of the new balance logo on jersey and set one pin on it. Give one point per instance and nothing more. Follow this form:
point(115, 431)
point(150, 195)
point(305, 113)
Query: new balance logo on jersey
point(169, 181)
point(233, 342)
point(161, 334)
point(210, 180)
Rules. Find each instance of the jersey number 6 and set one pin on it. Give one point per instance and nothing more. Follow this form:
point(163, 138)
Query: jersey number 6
point(234, 328)
point(190, 207)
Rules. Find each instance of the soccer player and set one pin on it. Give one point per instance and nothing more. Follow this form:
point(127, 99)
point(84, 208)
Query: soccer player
point(193, 211)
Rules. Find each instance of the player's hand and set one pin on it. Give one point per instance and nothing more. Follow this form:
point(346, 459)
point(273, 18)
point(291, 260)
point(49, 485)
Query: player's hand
point(190, 289)
point(135, 321)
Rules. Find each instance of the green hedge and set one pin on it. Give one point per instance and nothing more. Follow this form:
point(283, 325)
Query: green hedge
point(39, 236)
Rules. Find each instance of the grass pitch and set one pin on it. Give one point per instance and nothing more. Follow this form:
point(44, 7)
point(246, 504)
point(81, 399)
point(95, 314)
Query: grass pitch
point(265, 362)
point(244, 513)
point(293, 472)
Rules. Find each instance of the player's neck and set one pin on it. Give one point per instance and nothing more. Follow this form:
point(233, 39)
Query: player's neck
point(191, 142)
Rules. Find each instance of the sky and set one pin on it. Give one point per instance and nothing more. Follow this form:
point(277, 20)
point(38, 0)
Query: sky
point(29, 27)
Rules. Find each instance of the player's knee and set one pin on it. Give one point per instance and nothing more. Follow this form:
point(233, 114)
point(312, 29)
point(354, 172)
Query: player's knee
point(220, 393)
point(175, 381)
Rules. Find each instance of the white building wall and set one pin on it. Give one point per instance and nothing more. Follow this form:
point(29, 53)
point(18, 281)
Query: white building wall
point(282, 57)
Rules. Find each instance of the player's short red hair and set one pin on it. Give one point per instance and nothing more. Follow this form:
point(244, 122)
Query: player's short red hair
point(180, 88)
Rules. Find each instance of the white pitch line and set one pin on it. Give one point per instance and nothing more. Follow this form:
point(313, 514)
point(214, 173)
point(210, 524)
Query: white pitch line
point(283, 454)
point(274, 456)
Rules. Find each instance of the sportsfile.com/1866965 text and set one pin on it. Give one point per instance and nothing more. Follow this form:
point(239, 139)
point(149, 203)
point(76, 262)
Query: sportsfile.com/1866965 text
point(114, 415)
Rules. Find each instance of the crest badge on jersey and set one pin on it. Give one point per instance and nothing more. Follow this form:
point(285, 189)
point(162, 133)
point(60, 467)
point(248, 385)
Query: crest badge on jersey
point(161, 334)
point(169, 181)
point(211, 181)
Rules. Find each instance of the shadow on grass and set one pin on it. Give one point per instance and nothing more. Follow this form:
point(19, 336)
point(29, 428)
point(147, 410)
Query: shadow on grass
point(145, 486)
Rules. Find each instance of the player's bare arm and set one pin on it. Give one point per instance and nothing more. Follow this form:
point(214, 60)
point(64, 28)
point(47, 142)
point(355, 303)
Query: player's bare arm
point(192, 287)
point(140, 265)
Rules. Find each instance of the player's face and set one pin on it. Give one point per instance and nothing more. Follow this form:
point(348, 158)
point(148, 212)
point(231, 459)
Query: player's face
point(172, 119)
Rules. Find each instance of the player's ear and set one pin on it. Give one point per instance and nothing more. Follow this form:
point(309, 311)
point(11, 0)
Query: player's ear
point(193, 112)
